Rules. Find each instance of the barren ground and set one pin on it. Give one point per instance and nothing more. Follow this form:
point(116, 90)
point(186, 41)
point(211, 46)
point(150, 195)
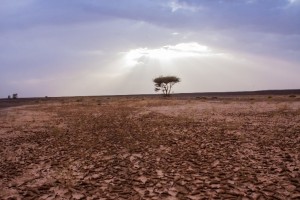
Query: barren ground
point(151, 148)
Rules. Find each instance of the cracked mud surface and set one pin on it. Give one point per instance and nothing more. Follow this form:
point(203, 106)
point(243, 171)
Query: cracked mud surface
point(140, 148)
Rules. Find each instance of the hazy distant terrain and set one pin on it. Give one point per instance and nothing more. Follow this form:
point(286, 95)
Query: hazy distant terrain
point(148, 147)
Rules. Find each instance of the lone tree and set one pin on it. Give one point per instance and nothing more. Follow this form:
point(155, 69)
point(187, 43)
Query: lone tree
point(165, 84)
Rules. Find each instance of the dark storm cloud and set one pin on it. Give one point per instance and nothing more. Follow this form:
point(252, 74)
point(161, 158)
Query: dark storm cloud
point(279, 16)
point(59, 12)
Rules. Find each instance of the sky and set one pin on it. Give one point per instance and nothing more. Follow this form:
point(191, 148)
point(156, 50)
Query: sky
point(112, 47)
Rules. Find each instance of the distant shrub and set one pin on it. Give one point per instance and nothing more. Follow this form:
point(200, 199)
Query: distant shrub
point(292, 96)
point(15, 96)
point(201, 98)
point(270, 97)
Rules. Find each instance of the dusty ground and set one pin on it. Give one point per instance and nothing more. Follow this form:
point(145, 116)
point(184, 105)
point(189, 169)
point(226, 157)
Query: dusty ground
point(147, 148)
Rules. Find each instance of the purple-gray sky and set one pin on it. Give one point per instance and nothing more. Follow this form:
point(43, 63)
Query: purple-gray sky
point(101, 47)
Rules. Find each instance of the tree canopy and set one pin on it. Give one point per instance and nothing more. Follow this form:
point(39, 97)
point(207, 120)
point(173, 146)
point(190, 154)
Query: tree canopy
point(165, 84)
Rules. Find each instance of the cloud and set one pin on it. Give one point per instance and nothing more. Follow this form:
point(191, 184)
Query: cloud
point(168, 52)
point(176, 5)
point(267, 16)
point(294, 1)
point(264, 16)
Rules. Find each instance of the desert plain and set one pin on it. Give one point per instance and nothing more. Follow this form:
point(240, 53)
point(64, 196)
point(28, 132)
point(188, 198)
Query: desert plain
point(135, 147)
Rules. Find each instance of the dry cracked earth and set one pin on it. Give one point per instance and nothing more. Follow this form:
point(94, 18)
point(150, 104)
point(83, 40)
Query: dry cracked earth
point(151, 148)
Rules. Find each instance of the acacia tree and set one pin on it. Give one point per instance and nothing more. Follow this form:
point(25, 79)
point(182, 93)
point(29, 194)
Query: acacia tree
point(165, 84)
